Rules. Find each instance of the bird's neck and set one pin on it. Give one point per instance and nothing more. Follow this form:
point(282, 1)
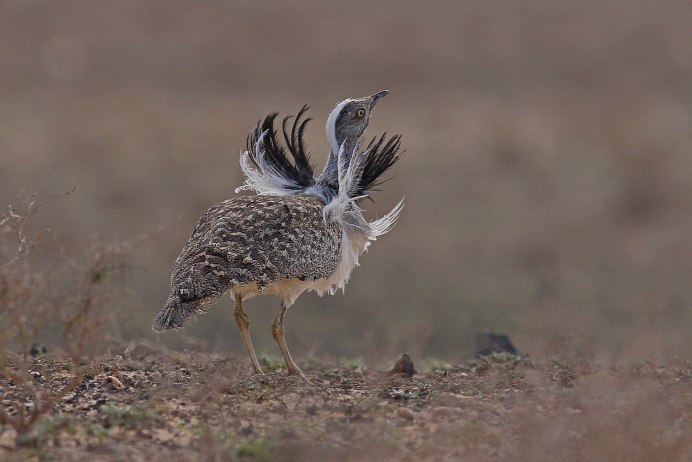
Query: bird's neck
point(330, 175)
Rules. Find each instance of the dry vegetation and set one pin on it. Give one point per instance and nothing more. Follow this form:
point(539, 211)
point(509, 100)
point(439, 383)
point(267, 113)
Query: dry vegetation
point(548, 195)
point(32, 301)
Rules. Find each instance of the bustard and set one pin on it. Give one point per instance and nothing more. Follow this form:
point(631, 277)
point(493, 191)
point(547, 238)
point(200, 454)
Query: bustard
point(300, 232)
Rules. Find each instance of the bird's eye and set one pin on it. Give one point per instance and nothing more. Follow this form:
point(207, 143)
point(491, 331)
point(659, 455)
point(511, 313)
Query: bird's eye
point(360, 113)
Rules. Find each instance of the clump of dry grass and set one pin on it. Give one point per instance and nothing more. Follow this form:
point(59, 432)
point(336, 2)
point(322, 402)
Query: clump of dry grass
point(68, 301)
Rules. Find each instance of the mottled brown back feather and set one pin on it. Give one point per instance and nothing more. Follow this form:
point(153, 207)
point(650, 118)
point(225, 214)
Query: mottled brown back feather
point(250, 239)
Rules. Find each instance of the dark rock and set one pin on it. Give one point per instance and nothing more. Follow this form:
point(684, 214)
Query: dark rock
point(404, 365)
point(37, 349)
point(488, 343)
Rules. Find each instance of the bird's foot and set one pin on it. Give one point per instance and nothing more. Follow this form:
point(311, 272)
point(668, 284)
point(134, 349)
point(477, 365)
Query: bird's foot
point(299, 374)
point(256, 369)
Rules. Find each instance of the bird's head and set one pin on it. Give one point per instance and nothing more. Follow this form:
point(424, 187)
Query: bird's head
point(349, 119)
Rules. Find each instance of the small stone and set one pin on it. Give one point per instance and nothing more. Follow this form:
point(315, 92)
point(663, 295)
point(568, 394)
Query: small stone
point(404, 365)
point(36, 376)
point(37, 349)
point(442, 411)
point(488, 343)
point(405, 413)
point(246, 428)
point(114, 382)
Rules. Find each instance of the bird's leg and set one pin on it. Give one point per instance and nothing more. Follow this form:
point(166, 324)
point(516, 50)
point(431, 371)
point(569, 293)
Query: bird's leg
point(278, 334)
point(242, 321)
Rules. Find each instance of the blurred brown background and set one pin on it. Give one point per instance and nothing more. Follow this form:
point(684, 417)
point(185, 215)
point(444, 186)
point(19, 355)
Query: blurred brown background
point(547, 171)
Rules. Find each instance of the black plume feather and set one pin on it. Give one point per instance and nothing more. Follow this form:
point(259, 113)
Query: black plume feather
point(296, 169)
point(380, 156)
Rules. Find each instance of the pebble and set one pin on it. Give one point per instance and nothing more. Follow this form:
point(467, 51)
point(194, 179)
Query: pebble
point(114, 382)
point(405, 413)
point(37, 377)
point(404, 366)
point(442, 411)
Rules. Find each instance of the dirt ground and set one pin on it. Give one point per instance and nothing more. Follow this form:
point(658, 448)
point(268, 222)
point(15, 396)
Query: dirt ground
point(150, 404)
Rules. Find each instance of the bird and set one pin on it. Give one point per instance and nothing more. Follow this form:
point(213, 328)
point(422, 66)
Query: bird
point(299, 232)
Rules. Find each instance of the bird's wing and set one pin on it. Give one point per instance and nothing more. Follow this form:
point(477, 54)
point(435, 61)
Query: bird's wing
point(259, 239)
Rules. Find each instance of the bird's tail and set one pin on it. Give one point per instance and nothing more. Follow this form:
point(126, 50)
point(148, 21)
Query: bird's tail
point(361, 172)
point(175, 313)
point(271, 167)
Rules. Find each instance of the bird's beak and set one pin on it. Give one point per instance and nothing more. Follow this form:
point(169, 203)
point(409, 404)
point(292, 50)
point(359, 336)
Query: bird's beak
point(376, 97)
